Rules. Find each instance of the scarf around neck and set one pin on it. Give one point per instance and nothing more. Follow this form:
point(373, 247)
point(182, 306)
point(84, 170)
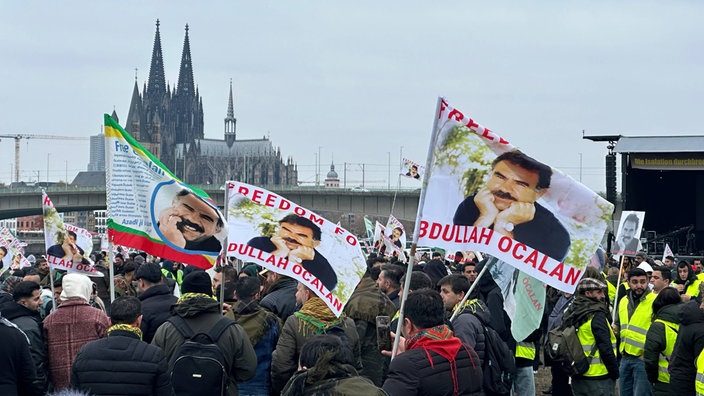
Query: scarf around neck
point(440, 340)
point(314, 316)
point(125, 327)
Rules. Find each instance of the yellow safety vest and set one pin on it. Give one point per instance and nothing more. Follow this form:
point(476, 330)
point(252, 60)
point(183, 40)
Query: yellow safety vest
point(693, 288)
point(597, 367)
point(671, 330)
point(699, 382)
point(168, 274)
point(525, 350)
point(634, 329)
point(612, 292)
point(700, 276)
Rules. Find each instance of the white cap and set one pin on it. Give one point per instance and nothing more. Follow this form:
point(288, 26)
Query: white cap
point(645, 267)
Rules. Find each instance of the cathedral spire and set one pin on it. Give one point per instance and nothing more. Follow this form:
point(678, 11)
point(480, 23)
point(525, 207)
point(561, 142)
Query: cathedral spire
point(185, 85)
point(230, 105)
point(157, 82)
point(134, 116)
point(230, 121)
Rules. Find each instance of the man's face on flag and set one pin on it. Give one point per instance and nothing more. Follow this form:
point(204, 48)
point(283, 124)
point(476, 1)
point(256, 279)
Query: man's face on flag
point(295, 236)
point(628, 230)
point(198, 220)
point(509, 183)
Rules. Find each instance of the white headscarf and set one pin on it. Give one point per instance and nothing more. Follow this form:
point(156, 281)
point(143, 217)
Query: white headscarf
point(76, 285)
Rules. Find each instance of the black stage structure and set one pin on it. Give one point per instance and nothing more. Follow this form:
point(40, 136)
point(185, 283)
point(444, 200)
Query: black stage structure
point(664, 177)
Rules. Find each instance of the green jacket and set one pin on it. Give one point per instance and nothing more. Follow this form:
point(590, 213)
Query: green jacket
point(366, 303)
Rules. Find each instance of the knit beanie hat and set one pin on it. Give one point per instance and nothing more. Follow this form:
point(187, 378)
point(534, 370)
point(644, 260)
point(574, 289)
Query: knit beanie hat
point(250, 269)
point(587, 284)
point(197, 282)
point(76, 285)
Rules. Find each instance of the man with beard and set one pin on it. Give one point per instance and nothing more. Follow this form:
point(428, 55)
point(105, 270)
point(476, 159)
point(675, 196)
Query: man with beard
point(589, 313)
point(507, 204)
point(191, 223)
point(627, 243)
point(296, 239)
point(633, 319)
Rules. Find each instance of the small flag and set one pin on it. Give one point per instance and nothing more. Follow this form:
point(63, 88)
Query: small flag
point(412, 170)
point(67, 247)
point(667, 252)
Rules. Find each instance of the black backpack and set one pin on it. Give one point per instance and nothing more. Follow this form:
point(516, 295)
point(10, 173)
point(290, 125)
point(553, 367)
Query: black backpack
point(199, 367)
point(499, 366)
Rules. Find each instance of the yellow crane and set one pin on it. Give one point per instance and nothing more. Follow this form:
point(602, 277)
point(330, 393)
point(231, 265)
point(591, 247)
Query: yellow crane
point(19, 136)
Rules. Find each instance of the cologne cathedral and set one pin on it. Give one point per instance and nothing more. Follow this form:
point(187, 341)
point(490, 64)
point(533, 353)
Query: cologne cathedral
point(168, 121)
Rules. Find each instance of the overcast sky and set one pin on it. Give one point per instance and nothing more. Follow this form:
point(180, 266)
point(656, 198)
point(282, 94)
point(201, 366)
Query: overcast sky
point(358, 81)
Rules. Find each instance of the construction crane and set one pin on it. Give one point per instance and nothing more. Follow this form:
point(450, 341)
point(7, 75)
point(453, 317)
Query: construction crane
point(19, 136)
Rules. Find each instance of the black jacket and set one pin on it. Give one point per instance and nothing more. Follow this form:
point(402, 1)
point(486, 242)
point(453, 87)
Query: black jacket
point(690, 342)
point(414, 373)
point(18, 375)
point(281, 298)
point(468, 326)
point(490, 294)
point(31, 324)
point(121, 364)
point(156, 309)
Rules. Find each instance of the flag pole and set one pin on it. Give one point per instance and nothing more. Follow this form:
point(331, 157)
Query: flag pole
point(53, 293)
point(618, 284)
point(416, 229)
point(111, 269)
point(224, 249)
point(471, 288)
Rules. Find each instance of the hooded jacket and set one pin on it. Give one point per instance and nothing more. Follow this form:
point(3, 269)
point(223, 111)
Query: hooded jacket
point(690, 342)
point(201, 314)
point(66, 330)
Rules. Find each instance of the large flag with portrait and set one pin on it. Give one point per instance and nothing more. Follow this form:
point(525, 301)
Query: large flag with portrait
point(481, 193)
point(286, 238)
point(67, 247)
point(150, 209)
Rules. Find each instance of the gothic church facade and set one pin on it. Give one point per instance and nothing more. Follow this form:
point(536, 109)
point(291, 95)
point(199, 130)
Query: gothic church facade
point(168, 121)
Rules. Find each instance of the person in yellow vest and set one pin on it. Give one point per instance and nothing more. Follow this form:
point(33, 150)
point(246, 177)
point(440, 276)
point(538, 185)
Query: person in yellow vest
point(686, 283)
point(524, 381)
point(633, 319)
point(660, 340)
point(699, 379)
point(690, 343)
point(589, 312)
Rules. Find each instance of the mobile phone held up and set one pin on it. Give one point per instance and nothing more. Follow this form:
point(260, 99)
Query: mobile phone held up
point(383, 333)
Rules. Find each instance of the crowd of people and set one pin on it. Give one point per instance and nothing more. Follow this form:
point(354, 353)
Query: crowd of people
point(271, 335)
